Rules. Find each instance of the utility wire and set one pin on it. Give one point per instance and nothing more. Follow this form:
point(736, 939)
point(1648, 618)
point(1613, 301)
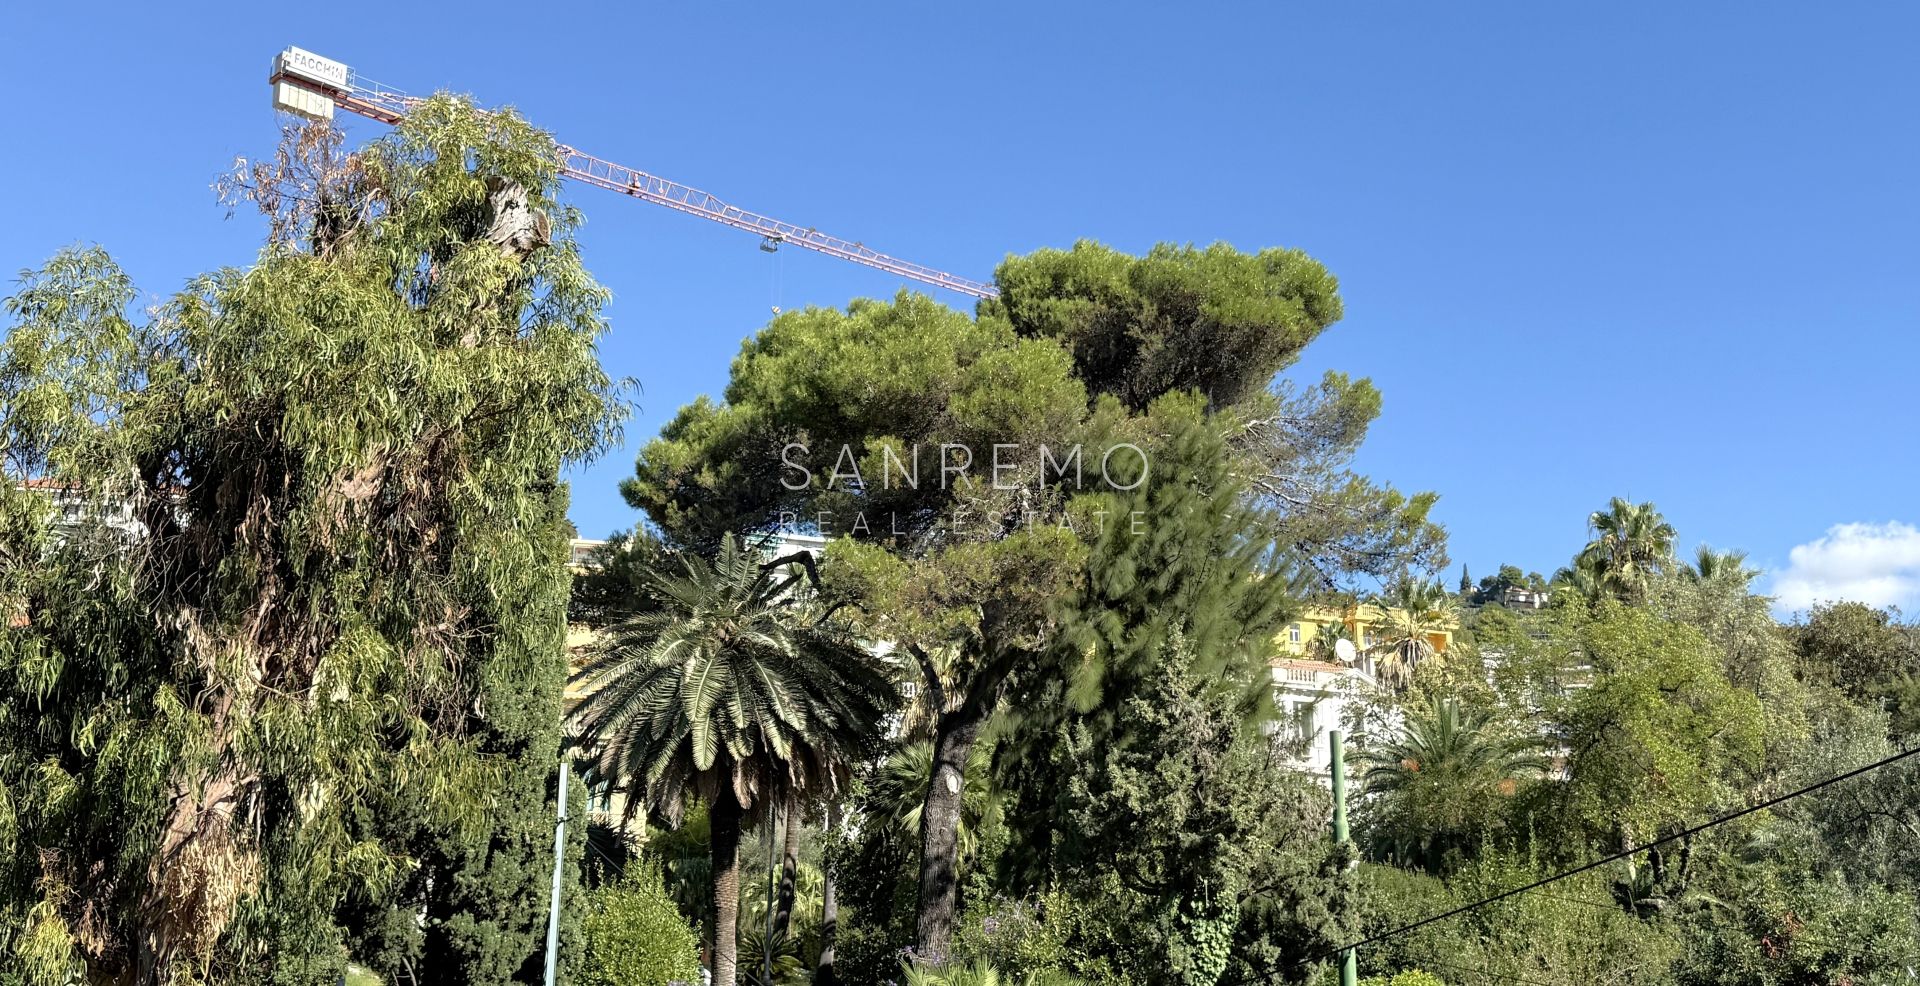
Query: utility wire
point(618, 870)
point(1576, 871)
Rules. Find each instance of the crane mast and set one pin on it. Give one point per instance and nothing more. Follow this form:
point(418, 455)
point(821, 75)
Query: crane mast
point(312, 86)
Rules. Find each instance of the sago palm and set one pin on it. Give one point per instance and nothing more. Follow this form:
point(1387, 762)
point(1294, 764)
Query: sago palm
point(730, 693)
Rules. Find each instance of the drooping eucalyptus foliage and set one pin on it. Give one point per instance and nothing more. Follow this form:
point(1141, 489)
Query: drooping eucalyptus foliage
point(282, 565)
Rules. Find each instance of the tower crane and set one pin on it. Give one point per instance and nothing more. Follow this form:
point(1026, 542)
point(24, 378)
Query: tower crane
point(312, 86)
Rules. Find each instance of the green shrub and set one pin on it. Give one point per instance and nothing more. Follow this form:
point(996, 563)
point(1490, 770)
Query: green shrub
point(1054, 934)
point(636, 936)
point(981, 974)
point(1574, 934)
point(1779, 932)
point(1412, 977)
point(865, 953)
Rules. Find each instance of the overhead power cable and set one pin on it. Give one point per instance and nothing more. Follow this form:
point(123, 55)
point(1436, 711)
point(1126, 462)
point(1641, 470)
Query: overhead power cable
point(1576, 871)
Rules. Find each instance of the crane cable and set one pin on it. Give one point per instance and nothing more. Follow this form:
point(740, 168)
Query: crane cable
point(776, 269)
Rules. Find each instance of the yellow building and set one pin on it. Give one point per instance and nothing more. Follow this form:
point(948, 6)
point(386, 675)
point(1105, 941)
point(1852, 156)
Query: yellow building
point(1313, 687)
point(1365, 624)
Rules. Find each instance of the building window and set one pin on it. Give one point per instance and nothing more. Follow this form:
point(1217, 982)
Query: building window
point(1293, 633)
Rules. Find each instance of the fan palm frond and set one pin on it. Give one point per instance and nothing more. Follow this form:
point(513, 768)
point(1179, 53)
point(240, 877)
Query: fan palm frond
point(1631, 543)
point(1415, 612)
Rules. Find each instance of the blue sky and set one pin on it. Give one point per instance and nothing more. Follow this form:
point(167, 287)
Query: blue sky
point(1649, 251)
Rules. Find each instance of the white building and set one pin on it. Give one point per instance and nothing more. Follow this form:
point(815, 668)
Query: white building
point(73, 510)
point(1313, 698)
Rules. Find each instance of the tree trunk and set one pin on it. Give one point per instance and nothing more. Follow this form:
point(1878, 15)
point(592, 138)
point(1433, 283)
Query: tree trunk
point(829, 905)
point(197, 850)
point(954, 735)
point(723, 820)
point(789, 868)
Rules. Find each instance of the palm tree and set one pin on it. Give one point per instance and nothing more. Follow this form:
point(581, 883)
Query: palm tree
point(1436, 779)
point(1631, 543)
point(1326, 640)
point(1582, 580)
point(1719, 566)
point(899, 788)
point(1414, 612)
point(729, 693)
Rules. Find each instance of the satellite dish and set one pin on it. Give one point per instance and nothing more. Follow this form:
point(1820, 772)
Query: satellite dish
point(1344, 650)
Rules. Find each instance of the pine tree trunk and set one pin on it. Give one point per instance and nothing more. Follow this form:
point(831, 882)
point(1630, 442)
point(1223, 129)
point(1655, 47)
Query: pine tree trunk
point(823, 974)
point(954, 735)
point(723, 820)
point(789, 868)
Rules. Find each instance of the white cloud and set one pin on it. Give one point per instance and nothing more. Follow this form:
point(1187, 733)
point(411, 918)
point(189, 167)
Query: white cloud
point(1876, 564)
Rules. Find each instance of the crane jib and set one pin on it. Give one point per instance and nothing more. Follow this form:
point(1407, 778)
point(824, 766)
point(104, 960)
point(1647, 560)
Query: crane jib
point(300, 76)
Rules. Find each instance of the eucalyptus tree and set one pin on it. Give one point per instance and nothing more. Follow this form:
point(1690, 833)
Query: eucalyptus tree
point(294, 679)
point(731, 692)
